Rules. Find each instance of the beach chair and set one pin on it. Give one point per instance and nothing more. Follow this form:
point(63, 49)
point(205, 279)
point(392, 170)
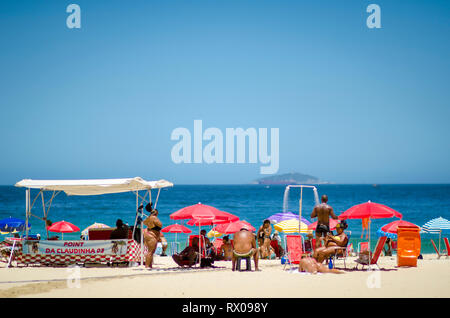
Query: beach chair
point(174, 247)
point(218, 242)
point(294, 249)
point(375, 256)
point(363, 246)
point(447, 246)
point(276, 247)
point(341, 252)
point(435, 248)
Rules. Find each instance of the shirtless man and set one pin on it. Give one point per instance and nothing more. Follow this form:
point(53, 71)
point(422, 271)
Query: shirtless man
point(264, 239)
point(244, 245)
point(151, 235)
point(323, 212)
point(310, 265)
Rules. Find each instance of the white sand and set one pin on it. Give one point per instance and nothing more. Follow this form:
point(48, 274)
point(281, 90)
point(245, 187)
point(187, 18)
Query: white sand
point(430, 279)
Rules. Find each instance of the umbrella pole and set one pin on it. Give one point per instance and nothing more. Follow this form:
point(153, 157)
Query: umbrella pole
point(300, 211)
point(440, 231)
point(370, 249)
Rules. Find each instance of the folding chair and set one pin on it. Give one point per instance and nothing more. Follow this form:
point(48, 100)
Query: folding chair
point(363, 246)
point(342, 252)
point(435, 248)
point(218, 242)
point(294, 249)
point(376, 255)
point(447, 246)
point(174, 247)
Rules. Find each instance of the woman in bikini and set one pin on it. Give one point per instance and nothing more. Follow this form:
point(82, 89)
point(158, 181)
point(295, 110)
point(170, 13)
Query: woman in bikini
point(264, 239)
point(151, 235)
point(332, 243)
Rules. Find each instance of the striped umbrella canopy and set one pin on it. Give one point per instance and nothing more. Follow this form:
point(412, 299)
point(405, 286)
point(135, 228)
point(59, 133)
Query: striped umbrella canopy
point(283, 216)
point(96, 225)
point(213, 233)
point(291, 226)
point(436, 225)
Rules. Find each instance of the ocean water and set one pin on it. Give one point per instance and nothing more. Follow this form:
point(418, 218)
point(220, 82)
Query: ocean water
point(253, 203)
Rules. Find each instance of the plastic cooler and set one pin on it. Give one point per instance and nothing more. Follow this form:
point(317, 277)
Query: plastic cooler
point(408, 246)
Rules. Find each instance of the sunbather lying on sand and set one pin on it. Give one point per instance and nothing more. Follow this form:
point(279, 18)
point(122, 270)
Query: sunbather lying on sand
point(244, 245)
point(310, 265)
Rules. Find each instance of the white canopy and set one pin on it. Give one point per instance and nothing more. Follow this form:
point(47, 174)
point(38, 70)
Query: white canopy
point(94, 186)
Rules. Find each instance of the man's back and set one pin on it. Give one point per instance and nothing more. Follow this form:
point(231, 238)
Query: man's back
point(244, 241)
point(323, 212)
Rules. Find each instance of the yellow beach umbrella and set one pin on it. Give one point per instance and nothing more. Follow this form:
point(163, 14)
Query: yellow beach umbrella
point(291, 226)
point(213, 233)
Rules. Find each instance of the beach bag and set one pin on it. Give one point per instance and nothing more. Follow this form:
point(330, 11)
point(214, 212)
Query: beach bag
point(364, 257)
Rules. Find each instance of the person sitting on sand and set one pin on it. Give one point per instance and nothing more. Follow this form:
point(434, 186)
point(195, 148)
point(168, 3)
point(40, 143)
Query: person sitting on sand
point(264, 239)
point(244, 246)
point(188, 256)
point(151, 234)
point(310, 265)
point(227, 249)
point(308, 243)
point(332, 243)
point(121, 231)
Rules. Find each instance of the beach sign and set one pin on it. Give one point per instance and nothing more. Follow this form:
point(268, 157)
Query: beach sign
point(97, 247)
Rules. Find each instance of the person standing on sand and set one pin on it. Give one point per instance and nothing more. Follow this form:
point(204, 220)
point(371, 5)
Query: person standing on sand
point(323, 212)
point(244, 245)
point(264, 239)
point(151, 234)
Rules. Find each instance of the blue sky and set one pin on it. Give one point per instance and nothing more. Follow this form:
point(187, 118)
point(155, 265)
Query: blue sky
point(352, 104)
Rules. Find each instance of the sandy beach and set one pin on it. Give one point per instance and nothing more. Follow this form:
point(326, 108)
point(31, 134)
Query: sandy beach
point(431, 278)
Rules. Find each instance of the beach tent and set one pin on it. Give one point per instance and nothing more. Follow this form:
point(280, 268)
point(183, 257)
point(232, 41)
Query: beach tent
point(89, 187)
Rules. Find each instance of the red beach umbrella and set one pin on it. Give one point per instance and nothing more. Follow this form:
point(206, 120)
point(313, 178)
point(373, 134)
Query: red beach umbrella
point(201, 211)
point(369, 210)
point(393, 226)
point(63, 227)
point(332, 223)
point(176, 228)
point(234, 227)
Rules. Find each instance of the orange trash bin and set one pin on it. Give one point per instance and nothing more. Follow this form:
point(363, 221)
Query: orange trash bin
point(408, 246)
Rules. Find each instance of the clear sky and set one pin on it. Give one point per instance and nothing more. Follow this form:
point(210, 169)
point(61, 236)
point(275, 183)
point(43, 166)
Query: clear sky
point(352, 104)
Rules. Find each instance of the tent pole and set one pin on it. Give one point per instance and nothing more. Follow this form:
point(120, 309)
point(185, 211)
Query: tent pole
point(27, 204)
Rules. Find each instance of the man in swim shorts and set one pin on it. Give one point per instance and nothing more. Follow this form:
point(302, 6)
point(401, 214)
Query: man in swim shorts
point(310, 265)
point(244, 245)
point(323, 212)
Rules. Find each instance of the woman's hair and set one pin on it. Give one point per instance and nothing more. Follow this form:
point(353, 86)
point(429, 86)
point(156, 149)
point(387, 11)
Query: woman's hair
point(266, 221)
point(149, 207)
point(343, 225)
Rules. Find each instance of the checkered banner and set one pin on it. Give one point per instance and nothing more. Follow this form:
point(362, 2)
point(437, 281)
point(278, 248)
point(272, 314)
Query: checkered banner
point(100, 247)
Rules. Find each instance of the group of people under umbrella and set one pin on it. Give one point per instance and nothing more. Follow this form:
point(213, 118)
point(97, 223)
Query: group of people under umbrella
point(227, 223)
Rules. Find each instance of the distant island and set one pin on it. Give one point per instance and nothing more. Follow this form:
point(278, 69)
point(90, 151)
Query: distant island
point(290, 178)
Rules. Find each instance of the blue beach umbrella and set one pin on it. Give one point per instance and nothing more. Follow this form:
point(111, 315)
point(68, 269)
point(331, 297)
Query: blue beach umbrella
point(437, 225)
point(387, 234)
point(10, 225)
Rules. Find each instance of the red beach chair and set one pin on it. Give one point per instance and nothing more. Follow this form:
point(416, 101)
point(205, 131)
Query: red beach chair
point(363, 246)
point(375, 255)
point(294, 249)
point(435, 248)
point(447, 246)
point(218, 245)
